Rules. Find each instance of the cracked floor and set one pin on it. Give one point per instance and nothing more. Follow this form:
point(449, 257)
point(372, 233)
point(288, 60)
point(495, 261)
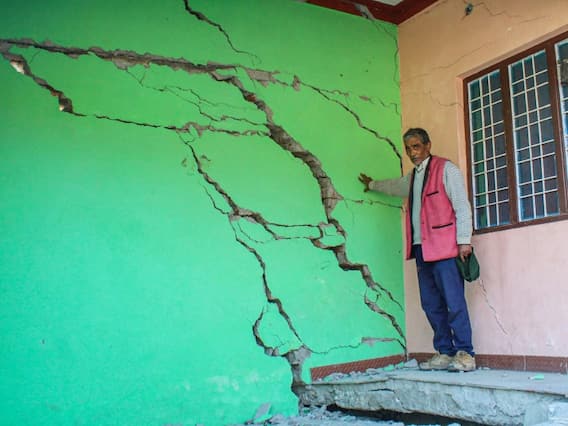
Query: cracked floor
point(273, 153)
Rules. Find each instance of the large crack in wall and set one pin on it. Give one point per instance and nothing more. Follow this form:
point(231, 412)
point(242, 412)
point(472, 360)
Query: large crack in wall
point(227, 74)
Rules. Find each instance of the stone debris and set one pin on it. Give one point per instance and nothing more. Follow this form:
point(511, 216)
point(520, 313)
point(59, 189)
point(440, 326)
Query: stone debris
point(411, 364)
point(320, 416)
point(262, 413)
point(369, 373)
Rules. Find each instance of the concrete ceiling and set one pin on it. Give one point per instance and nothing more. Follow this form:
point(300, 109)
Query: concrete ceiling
point(395, 11)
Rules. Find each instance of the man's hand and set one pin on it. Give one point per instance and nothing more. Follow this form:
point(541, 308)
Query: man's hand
point(365, 180)
point(464, 251)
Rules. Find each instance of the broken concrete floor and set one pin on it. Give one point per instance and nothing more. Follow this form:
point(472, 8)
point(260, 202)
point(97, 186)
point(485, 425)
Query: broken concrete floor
point(491, 397)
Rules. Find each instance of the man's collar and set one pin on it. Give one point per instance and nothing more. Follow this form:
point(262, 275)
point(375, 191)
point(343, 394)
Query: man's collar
point(420, 168)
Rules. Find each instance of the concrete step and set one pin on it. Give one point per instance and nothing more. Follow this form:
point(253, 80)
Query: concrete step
point(490, 397)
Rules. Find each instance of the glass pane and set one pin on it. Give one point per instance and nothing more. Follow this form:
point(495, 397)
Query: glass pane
point(534, 134)
point(523, 154)
point(493, 214)
point(498, 112)
point(500, 145)
point(516, 72)
point(551, 200)
point(519, 104)
point(518, 87)
point(547, 131)
point(531, 99)
point(481, 218)
point(529, 69)
point(530, 82)
point(551, 184)
point(476, 122)
point(524, 170)
point(504, 213)
point(522, 137)
point(549, 166)
point(500, 161)
point(541, 77)
point(484, 84)
point(478, 151)
point(486, 115)
point(499, 128)
point(527, 208)
point(474, 89)
point(521, 120)
point(539, 205)
point(548, 148)
point(479, 184)
point(540, 62)
point(489, 148)
point(543, 95)
point(494, 81)
point(537, 169)
point(502, 178)
point(525, 189)
point(491, 181)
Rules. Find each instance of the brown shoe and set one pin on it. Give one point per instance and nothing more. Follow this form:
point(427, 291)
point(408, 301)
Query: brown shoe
point(437, 362)
point(462, 362)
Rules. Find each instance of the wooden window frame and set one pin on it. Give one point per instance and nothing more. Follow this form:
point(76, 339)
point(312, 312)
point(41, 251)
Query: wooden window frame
point(562, 167)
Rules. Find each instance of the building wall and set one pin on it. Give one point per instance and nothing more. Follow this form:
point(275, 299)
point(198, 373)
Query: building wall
point(182, 232)
point(519, 305)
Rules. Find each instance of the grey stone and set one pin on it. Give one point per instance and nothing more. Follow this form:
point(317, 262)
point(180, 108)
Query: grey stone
point(262, 413)
point(411, 364)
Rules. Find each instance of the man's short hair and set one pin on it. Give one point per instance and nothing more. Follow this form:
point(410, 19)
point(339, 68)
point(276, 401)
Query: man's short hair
point(417, 132)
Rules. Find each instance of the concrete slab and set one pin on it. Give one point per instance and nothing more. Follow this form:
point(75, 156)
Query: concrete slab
point(492, 397)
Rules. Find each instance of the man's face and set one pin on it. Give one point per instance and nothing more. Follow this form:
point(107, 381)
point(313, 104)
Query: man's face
point(416, 150)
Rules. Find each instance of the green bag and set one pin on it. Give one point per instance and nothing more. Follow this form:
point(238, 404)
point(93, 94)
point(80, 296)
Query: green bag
point(469, 269)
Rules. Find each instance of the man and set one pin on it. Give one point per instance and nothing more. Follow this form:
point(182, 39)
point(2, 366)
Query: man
point(438, 229)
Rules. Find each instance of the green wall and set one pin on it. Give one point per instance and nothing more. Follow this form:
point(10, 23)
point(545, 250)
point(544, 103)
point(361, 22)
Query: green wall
point(182, 232)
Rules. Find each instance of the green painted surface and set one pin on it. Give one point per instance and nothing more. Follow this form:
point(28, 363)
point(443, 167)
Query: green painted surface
point(130, 287)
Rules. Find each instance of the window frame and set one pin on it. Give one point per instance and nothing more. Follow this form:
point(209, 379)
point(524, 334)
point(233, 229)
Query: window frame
point(561, 163)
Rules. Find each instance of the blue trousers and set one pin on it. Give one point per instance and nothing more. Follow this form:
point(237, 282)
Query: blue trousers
point(443, 301)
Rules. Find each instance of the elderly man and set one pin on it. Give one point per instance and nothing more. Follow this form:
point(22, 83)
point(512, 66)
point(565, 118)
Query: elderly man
point(438, 229)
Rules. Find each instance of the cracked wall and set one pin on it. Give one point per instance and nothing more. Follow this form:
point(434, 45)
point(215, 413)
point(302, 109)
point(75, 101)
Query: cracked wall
point(183, 232)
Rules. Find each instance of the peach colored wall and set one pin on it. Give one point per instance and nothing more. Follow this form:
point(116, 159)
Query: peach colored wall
point(520, 304)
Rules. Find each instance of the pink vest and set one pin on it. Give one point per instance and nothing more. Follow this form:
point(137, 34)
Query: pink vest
point(437, 216)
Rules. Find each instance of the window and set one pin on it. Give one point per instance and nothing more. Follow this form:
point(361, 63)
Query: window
point(517, 125)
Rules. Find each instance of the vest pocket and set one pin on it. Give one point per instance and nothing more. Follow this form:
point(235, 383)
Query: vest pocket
point(442, 226)
point(432, 193)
